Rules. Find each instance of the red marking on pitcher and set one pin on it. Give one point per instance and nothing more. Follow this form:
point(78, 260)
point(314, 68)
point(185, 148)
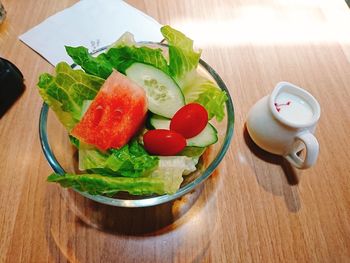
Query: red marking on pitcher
point(279, 105)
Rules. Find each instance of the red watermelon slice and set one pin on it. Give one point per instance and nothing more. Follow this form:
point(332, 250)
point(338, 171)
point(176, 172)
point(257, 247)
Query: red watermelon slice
point(115, 115)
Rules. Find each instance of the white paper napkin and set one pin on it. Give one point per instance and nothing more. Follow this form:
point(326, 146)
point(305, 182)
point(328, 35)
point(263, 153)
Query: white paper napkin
point(89, 23)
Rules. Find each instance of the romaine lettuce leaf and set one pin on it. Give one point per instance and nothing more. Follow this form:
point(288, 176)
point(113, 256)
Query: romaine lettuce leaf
point(74, 141)
point(125, 52)
point(197, 88)
point(66, 92)
point(132, 160)
point(214, 101)
point(119, 57)
point(182, 56)
point(97, 66)
point(97, 184)
point(127, 39)
point(166, 179)
point(184, 164)
point(183, 64)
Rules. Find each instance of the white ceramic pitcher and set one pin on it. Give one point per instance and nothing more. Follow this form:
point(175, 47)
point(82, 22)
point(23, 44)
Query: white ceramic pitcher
point(283, 123)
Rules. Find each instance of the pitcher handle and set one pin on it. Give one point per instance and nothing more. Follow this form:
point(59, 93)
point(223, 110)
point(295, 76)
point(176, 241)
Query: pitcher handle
point(312, 149)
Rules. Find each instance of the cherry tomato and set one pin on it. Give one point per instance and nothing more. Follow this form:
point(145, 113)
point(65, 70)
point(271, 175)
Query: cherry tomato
point(163, 142)
point(189, 120)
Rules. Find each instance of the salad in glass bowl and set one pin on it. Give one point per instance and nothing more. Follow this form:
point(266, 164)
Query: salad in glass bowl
point(145, 122)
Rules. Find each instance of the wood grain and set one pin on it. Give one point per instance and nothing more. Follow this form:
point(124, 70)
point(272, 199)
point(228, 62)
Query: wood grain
point(256, 208)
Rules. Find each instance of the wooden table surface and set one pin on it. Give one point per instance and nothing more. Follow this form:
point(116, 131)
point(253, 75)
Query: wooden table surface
point(256, 208)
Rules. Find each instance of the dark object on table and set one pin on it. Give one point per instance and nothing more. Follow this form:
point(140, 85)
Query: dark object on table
point(348, 2)
point(2, 13)
point(11, 85)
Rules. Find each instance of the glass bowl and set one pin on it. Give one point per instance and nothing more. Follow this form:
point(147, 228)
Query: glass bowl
point(62, 156)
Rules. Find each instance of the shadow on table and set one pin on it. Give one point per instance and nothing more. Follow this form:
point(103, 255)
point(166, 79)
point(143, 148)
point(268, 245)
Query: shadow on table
point(130, 221)
point(89, 221)
point(269, 182)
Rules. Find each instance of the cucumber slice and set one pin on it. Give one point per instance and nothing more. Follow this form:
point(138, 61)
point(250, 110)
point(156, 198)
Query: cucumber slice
point(206, 137)
point(159, 122)
point(163, 94)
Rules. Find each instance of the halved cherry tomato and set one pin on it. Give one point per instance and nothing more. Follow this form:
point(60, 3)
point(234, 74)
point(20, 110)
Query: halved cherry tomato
point(189, 120)
point(163, 142)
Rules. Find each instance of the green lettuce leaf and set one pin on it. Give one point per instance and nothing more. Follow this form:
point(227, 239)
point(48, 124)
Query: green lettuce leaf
point(125, 52)
point(121, 57)
point(74, 141)
point(197, 88)
point(214, 101)
point(127, 39)
point(97, 66)
point(166, 179)
point(97, 184)
point(66, 92)
point(132, 160)
point(185, 165)
point(183, 62)
point(182, 56)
